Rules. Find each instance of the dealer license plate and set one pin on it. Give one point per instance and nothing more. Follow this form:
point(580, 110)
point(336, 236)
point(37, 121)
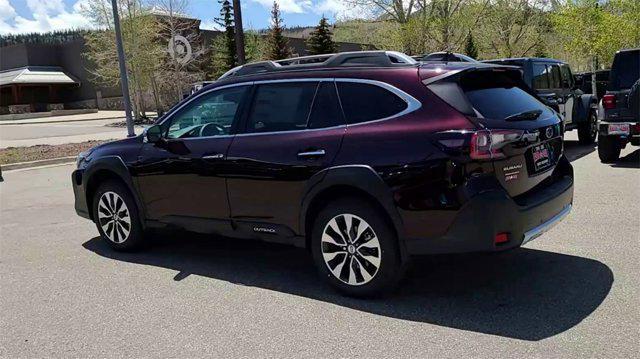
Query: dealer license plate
point(541, 158)
point(619, 129)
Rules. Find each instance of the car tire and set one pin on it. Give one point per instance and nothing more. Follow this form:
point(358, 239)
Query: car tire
point(608, 149)
point(353, 231)
point(116, 216)
point(588, 131)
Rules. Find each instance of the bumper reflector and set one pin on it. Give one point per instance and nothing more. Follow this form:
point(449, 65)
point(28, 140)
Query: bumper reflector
point(501, 238)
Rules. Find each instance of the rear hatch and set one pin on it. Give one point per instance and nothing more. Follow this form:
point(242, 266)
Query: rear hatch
point(620, 103)
point(517, 133)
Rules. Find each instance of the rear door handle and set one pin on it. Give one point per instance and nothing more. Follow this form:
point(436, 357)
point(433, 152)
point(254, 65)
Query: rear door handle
point(217, 156)
point(312, 154)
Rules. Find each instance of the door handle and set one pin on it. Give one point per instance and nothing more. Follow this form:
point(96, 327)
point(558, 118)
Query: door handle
point(217, 156)
point(312, 153)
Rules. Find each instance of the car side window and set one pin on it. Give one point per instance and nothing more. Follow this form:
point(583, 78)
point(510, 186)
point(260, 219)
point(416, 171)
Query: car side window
point(554, 70)
point(540, 77)
point(211, 114)
point(326, 111)
point(281, 106)
point(567, 77)
point(362, 102)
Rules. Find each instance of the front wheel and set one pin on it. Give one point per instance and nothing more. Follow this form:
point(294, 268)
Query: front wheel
point(608, 149)
point(116, 217)
point(356, 249)
point(588, 131)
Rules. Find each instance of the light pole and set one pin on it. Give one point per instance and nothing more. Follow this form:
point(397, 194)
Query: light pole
point(123, 70)
point(237, 21)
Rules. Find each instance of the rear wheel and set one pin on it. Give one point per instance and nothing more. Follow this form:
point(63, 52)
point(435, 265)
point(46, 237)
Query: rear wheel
point(355, 248)
point(588, 131)
point(116, 216)
point(608, 149)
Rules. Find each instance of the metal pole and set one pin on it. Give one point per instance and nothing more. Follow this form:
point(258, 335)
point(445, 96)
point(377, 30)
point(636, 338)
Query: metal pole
point(123, 70)
point(237, 21)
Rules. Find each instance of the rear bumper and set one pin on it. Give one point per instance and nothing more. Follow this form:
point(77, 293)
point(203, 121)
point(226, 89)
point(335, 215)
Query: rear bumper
point(492, 212)
point(634, 131)
point(80, 202)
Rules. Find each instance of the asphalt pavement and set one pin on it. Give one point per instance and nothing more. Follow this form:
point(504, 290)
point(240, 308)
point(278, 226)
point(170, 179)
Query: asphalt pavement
point(571, 293)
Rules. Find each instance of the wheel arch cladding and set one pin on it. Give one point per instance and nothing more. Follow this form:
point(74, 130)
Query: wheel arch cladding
point(104, 169)
point(584, 106)
point(349, 181)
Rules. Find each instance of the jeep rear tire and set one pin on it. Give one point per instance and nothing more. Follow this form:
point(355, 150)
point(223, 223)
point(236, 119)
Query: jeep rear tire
point(608, 149)
point(356, 249)
point(588, 130)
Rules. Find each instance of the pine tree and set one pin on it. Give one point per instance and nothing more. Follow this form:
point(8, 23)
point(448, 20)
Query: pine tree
point(277, 45)
point(226, 21)
point(321, 42)
point(470, 48)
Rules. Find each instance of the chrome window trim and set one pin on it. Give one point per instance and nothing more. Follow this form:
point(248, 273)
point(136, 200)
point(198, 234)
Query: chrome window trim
point(412, 103)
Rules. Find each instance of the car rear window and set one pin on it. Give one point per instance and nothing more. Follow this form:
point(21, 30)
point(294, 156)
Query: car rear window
point(499, 96)
point(363, 102)
point(625, 70)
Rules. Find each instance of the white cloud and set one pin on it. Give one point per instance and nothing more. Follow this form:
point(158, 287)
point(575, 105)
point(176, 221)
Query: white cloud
point(338, 9)
point(341, 10)
point(48, 15)
point(209, 25)
point(290, 6)
point(6, 10)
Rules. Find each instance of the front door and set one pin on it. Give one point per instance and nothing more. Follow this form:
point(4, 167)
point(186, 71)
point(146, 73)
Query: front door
point(182, 177)
point(293, 131)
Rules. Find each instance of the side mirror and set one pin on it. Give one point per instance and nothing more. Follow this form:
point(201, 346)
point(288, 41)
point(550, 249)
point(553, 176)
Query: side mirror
point(153, 134)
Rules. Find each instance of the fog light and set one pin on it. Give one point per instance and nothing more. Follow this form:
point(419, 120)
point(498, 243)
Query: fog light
point(501, 238)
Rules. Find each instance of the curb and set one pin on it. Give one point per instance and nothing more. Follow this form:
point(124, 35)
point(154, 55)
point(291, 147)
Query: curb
point(13, 123)
point(38, 163)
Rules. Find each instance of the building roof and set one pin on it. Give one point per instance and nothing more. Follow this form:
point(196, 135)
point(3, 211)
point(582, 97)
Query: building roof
point(48, 75)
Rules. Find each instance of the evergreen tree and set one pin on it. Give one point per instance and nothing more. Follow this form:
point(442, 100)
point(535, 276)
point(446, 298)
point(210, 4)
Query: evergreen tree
point(229, 49)
point(470, 48)
point(321, 42)
point(277, 43)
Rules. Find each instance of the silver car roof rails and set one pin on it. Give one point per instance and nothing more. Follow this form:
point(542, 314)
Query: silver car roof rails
point(342, 59)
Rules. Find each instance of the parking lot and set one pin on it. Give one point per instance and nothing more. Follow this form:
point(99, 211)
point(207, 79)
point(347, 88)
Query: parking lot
point(571, 293)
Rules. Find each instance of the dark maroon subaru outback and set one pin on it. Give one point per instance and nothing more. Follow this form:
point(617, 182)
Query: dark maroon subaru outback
point(363, 158)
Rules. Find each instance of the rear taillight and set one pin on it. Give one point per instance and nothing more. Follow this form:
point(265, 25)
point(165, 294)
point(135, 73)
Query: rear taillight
point(609, 102)
point(487, 144)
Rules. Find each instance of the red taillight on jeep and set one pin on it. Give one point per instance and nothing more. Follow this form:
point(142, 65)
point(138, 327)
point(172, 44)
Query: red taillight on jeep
point(487, 144)
point(609, 102)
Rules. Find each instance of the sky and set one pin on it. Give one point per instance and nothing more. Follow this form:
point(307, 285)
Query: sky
point(24, 16)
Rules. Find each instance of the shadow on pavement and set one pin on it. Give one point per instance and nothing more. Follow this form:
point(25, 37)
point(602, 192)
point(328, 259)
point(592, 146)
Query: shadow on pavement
point(574, 150)
point(526, 294)
point(631, 160)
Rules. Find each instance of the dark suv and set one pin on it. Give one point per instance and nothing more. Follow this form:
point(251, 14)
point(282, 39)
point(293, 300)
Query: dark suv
point(554, 83)
point(364, 158)
point(620, 106)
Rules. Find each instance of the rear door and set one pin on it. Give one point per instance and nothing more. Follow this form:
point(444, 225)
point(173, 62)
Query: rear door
point(527, 133)
point(292, 132)
point(568, 98)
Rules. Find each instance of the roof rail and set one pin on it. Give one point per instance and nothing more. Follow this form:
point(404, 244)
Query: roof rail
point(342, 59)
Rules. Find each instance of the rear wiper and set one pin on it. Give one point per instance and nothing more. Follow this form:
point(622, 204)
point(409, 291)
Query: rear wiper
point(524, 116)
